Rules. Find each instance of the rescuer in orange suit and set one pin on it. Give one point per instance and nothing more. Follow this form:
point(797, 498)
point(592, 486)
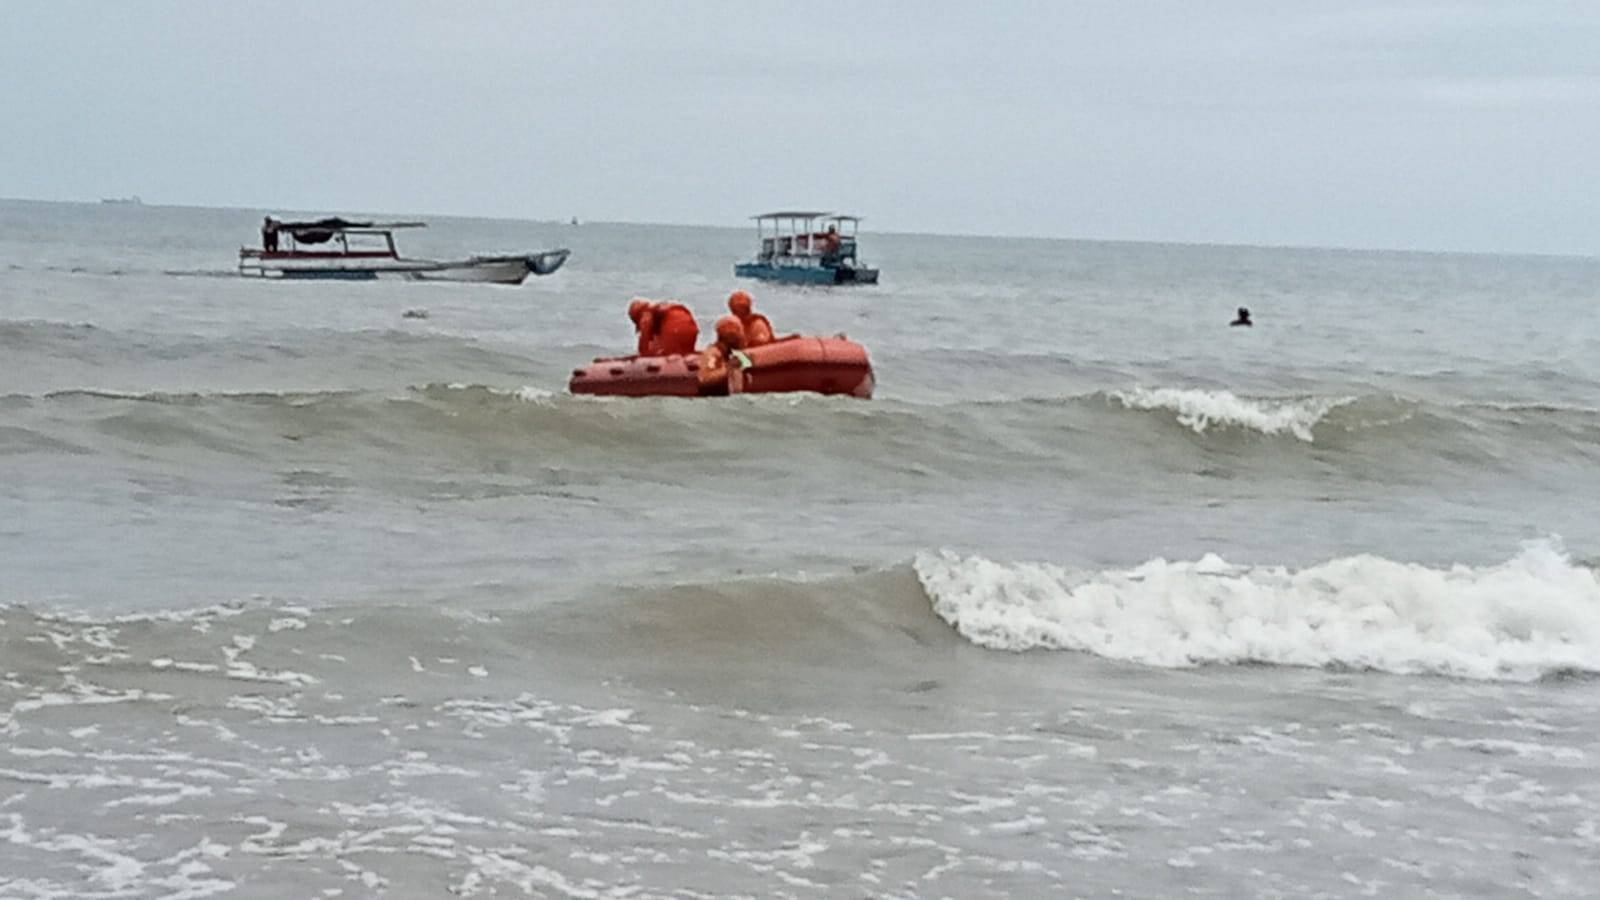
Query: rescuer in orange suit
point(757, 330)
point(664, 329)
point(714, 359)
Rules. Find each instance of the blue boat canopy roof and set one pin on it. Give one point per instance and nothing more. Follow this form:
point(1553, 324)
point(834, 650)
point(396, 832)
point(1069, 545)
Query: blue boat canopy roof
point(791, 215)
point(806, 214)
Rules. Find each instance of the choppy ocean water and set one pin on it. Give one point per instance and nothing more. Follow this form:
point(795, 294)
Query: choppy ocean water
point(1098, 595)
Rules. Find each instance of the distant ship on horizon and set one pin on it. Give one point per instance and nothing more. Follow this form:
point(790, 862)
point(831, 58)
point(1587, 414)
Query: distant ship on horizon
point(130, 201)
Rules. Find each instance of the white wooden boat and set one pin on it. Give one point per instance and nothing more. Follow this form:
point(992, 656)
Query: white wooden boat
point(363, 251)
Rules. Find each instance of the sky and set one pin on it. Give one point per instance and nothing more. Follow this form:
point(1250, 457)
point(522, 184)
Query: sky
point(1445, 125)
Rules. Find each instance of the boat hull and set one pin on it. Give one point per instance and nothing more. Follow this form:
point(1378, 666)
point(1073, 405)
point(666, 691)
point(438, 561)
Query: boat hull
point(497, 271)
point(509, 270)
point(835, 366)
point(806, 274)
point(832, 365)
point(638, 376)
point(326, 275)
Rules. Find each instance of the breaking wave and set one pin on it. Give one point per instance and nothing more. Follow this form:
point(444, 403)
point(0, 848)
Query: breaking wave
point(1200, 409)
point(1377, 436)
point(1532, 616)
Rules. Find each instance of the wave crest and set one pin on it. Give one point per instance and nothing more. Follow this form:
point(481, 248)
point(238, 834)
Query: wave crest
point(1534, 615)
point(1200, 409)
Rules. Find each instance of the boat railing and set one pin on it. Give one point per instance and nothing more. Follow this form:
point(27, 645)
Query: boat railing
point(250, 264)
point(792, 251)
point(800, 240)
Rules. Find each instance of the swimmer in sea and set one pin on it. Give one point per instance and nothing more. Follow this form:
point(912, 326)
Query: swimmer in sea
point(1243, 319)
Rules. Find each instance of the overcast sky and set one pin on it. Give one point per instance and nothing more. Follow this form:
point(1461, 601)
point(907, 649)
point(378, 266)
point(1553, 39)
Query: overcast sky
point(1429, 125)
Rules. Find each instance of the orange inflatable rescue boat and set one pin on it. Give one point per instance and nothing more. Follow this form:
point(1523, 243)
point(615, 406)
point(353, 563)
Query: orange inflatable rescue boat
point(821, 365)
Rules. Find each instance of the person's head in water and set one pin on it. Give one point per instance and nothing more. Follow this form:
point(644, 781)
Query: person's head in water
point(1243, 319)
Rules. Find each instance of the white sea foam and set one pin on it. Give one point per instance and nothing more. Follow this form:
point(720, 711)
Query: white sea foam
point(1535, 614)
point(526, 393)
point(1200, 410)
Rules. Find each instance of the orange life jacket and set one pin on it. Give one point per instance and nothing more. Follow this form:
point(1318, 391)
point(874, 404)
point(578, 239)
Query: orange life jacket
point(666, 329)
point(757, 330)
point(646, 324)
point(675, 329)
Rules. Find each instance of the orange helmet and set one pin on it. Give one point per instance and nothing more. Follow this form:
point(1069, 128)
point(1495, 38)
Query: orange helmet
point(739, 303)
point(730, 329)
point(637, 308)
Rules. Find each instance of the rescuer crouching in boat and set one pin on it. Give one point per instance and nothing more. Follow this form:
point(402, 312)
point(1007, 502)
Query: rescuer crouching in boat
point(757, 330)
point(725, 351)
point(665, 329)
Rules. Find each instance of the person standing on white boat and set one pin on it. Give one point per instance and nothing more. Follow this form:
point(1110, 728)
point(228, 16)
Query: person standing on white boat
point(269, 234)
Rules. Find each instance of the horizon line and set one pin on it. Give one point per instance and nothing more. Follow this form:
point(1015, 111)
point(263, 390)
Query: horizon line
point(1535, 254)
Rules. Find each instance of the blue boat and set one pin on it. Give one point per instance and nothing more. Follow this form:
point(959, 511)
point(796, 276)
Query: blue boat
point(807, 248)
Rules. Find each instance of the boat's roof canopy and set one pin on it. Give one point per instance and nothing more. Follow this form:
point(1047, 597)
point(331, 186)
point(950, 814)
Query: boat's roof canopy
point(338, 224)
point(788, 214)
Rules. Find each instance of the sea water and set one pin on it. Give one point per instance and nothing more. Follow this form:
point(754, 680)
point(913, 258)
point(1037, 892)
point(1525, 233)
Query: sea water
point(301, 595)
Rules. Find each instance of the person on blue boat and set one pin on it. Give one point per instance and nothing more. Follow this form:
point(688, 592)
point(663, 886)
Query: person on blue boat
point(830, 241)
point(757, 330)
